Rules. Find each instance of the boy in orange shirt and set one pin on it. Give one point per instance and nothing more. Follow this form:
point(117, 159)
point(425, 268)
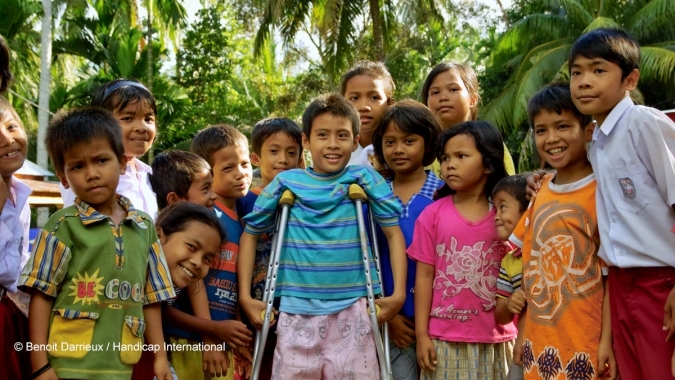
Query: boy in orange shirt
point(564, 336)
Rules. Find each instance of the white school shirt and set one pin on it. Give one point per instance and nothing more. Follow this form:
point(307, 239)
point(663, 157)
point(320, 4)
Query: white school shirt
point(14, 226)
point(135, 186)
point(633, 157)
point(355, 159)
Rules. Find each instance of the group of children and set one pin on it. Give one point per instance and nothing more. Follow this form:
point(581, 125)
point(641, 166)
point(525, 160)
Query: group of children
point(580, 267)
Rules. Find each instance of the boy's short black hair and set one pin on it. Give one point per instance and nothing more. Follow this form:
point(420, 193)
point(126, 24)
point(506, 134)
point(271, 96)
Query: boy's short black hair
point(70, 129)
point(375, 70)
point(271, 126)
point(214, 138)
point(174, 171)
point(118, 94)
point(333, 104)
point(413, 118)
point(4, 65)
point(611, 44)
point(515, 186)
point(555, 97)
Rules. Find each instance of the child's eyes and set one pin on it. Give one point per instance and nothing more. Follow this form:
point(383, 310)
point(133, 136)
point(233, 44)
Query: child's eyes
point(375, 97)
point(103, 160)
point(599, 71)
point(433, 92)
point(563, 126)
point(575, 73)
point(539, 131)
point(273, 151)
point(208, 259)
point(292, 153)
point(445, 158)
point(388, 142)
point(410, 141)
point(191, 247)
point(353, 98)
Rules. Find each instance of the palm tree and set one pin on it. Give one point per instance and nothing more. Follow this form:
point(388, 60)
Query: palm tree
point(535, 48)
point(337, 25)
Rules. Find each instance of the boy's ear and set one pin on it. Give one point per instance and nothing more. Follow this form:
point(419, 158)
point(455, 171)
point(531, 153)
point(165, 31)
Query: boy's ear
point(356, 143)
point(172, 198)
point(631, 80)
point(391, 101)
point(62, 179)
point(588, 131)
point(305, 141)
point(160, 234)
point(123, 164)
point(255, 160)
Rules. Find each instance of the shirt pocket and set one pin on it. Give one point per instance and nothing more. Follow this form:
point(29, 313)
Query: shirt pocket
point(629, 189)
point(132, 339)
point(339, 191)
point(71, 332)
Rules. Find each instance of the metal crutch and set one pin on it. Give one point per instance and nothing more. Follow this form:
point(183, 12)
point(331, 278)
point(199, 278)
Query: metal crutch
point(286, 201)
point(357, 194)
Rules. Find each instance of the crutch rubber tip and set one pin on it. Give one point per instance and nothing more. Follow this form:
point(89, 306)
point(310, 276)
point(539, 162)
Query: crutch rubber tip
point(356, 192)
point(377, 310)
point(287, 198)
point(262, 316)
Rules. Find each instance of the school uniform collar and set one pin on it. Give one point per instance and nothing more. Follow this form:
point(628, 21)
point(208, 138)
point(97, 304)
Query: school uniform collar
point(613, 117)
point(90, 215)
point(431, 184)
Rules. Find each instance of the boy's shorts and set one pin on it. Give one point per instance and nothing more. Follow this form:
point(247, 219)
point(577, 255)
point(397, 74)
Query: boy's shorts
point(339, 345)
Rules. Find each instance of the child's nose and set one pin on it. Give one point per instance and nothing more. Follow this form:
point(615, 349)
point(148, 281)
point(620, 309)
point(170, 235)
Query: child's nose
point(6, 138)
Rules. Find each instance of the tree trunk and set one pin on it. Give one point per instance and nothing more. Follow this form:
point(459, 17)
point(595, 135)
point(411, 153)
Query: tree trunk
point(43, 97)
point(377, 29)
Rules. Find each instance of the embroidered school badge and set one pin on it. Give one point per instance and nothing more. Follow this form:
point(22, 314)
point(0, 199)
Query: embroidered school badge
point(627, 187)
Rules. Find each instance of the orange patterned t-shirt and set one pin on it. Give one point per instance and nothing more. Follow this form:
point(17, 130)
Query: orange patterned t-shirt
point(562, 279)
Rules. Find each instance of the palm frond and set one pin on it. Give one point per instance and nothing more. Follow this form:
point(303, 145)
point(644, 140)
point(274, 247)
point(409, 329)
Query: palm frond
point(654, 22)
point(658, 64)
point(545, 67)
point(575, 11)
point(500, 110)
point(601, 22)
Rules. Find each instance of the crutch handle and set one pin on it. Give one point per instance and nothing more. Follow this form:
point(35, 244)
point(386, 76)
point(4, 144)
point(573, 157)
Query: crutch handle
point(287, 198)
point(356, 192)
point(377, 310)
point(262, 316)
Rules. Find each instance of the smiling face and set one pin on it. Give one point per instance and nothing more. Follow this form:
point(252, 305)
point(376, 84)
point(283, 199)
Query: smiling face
point(449, 99)
point(13, 144)
point(92, 171)
point(137, 121)
point(232, 173)
point(462, 165)
point(369, 97)
point(201, 190)
point(331, 143)
point(561, 141)
point(597, 87)
point(278, 153)
point(190, 252)
point(508, 214)
point(402, 151)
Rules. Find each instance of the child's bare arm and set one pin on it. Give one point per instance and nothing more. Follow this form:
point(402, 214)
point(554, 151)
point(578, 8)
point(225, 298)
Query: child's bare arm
point(245, 263)
point(426, 353)
point(390, 306)
point(40, 310)
point(154, 336)
point(231, 332)
point(606, 359)
point(520, 339)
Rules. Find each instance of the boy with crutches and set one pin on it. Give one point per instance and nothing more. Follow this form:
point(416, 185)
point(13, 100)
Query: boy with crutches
point(324, 327)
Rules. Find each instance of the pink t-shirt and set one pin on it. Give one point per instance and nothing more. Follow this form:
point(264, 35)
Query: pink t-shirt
point(466, 257)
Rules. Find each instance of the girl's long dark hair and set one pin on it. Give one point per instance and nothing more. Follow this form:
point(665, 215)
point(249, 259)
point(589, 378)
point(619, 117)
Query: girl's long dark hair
point(489, 143)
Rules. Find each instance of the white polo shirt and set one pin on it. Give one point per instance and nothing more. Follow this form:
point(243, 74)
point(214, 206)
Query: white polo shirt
point(14, 225)
point(633, 157)
point(135, 186)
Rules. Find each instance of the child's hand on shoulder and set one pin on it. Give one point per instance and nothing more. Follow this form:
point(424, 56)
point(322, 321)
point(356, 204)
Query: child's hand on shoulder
point(516, 302)
point(234, 333)
point(534, 183)
point(389, 308)
point(426, 354)
point(253, 309)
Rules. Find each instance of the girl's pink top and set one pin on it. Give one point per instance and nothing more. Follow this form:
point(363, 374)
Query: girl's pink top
point(466, 257)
